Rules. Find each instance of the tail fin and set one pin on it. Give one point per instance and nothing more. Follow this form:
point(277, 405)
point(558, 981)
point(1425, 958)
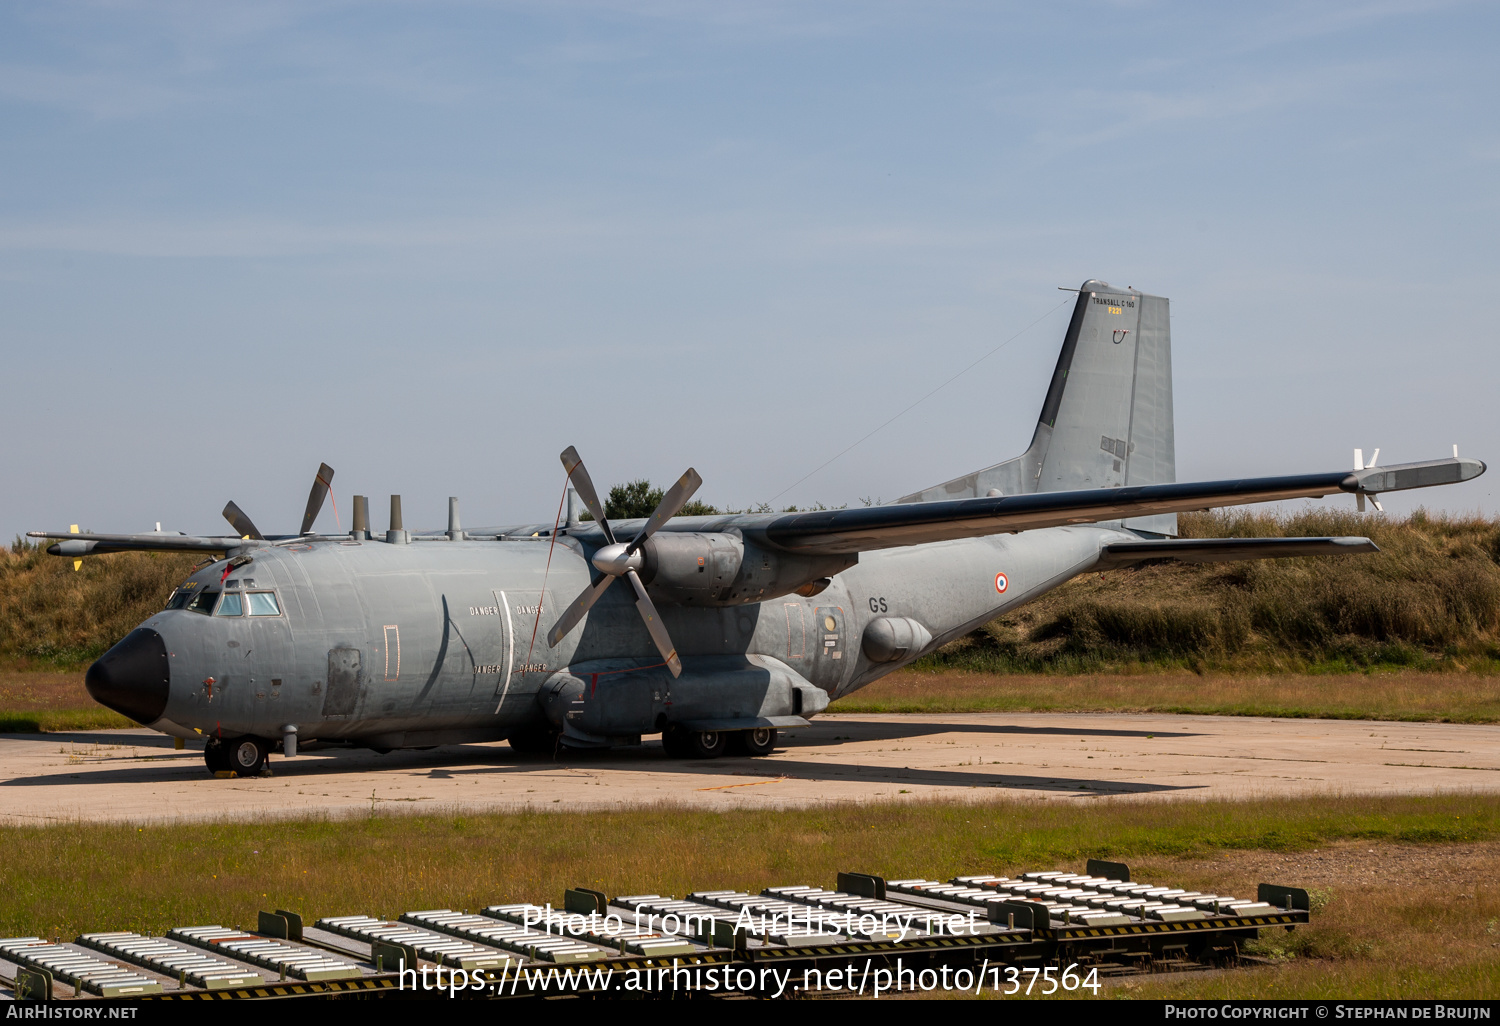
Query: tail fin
point(1107, 418)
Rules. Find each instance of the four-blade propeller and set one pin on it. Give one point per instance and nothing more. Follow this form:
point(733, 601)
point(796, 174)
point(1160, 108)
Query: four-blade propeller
point(322, 481)
point(618, 559)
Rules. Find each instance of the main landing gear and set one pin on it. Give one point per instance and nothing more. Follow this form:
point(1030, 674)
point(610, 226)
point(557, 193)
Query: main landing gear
point(244, 756)
point(710, 744)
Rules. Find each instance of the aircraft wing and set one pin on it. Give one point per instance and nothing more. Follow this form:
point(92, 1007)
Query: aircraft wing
point(97, 544)
point(881, 527)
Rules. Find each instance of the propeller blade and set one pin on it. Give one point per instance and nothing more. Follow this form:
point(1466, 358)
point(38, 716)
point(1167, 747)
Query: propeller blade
point(321, 483)
point(581, 605)
point(653, 624)
point(676, 497)
point(579, 475)
point(243, 525)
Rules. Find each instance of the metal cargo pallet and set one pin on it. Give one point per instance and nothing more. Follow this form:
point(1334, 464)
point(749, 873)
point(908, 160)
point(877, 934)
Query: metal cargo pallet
point(42, 963)
point(203, 971)
point(1099, 919)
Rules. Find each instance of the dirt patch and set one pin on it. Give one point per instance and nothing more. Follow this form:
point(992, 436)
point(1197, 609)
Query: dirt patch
point(1348, 864)
point(22, 691)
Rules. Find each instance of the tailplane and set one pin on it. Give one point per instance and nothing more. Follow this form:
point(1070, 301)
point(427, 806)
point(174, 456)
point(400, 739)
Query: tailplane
point(1107, 418)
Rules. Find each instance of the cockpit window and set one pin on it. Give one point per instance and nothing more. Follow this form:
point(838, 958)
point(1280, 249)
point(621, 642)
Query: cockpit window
point(203, 602)
point(231, 606)
point(180, 598)
point(263, 603)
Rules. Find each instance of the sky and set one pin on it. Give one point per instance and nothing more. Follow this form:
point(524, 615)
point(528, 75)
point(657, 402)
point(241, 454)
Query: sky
point(433, 244)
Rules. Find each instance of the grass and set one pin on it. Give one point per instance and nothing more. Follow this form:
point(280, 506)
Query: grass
point(1429, 600)
point(1371, 938)
point(63, 880)
point(42, 701)
point(1399, 695)
point(50, 721)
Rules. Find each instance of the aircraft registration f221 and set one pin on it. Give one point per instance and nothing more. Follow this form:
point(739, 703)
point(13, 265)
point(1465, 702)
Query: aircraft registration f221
point(715, 632)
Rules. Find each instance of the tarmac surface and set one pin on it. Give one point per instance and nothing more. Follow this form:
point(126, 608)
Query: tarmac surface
point(136, 775)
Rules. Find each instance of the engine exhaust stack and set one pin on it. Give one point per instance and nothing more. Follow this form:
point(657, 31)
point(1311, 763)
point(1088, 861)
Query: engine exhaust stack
point(397, 534)
point(455, 532)
point(361, 518)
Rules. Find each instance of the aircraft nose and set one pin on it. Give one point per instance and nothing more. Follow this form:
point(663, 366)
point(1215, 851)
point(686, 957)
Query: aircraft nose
point(134, 677)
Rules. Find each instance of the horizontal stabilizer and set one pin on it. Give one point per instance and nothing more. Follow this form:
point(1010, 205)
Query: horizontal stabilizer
point(1217, 550)
point(882, 527)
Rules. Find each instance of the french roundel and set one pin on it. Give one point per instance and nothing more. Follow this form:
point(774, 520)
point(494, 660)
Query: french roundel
point(1001, 583)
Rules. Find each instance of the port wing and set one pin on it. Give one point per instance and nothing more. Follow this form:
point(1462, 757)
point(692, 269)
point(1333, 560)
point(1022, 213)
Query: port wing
point(881, 527)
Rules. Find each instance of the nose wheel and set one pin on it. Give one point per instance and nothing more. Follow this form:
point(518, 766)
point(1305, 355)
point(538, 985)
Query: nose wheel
point(244, 756)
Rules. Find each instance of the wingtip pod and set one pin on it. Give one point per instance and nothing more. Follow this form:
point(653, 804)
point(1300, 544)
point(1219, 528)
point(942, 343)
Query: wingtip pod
point(1413, 475)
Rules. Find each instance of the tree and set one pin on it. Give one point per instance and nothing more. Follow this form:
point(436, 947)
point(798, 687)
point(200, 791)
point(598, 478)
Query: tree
point(638, 500)
point(633, 501)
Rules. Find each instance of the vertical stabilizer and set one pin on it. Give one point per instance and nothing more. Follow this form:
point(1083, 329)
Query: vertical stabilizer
point(1107, 418)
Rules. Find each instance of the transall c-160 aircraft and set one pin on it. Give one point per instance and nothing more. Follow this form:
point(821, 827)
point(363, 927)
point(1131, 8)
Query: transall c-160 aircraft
point(715, 632)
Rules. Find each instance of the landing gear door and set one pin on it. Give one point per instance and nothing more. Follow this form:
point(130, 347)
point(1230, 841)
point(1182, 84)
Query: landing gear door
point(828, 656)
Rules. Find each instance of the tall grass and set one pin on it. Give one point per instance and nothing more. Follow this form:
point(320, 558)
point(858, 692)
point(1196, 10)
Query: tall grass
point(52, 616)
point(1430, 599)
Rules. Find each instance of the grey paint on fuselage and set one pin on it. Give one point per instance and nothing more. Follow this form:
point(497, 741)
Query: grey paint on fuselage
point(444, 629)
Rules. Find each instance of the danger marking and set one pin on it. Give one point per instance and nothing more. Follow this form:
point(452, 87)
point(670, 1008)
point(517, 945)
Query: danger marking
point(1001, 583)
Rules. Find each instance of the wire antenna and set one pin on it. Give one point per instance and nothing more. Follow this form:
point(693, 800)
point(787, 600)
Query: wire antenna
point(919, 402)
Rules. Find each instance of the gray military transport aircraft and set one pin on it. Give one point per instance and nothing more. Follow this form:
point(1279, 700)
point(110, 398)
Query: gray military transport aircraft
point(743, 624)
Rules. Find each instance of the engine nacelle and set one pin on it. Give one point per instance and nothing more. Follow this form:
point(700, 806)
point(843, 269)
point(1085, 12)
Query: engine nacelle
point(722, 569)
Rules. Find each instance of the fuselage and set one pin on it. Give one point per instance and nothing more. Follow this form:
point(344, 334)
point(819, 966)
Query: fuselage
point(401, 645)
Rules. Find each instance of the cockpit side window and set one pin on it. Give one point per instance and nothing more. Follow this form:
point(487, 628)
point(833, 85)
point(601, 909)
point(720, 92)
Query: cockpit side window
point(263, 603)
point(180, 598)
point(203, 602)
point(231, 606)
